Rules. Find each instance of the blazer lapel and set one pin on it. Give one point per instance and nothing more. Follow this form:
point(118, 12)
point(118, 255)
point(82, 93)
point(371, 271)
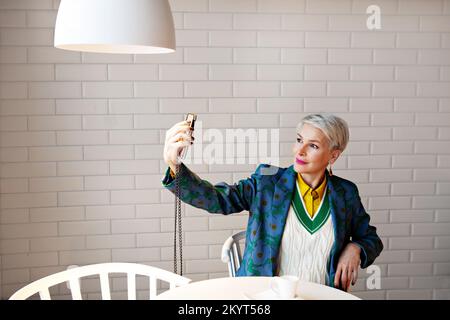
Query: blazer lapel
point(283, 193)
point(279, 209)
point(337, 207)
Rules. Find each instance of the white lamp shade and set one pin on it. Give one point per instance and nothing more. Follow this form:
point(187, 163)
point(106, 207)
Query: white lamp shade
point(115, 26)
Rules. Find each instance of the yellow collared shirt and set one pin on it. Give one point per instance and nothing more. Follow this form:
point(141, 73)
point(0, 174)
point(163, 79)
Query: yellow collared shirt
point(312, 198)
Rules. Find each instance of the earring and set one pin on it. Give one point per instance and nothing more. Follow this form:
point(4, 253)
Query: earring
point(331, 171)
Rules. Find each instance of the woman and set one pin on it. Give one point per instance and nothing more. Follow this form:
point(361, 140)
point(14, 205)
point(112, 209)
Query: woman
point(303, 220)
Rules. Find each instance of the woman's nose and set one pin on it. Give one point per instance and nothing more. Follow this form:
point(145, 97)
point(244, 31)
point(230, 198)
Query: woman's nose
point(301, 150)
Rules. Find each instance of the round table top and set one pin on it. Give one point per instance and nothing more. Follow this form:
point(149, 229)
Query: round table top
point(245, 288)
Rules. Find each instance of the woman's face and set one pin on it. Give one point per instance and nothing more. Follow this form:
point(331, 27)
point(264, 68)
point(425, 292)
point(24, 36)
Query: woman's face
point(312, 151)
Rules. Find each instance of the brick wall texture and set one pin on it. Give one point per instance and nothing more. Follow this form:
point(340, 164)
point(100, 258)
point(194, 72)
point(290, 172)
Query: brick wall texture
point(82, 134)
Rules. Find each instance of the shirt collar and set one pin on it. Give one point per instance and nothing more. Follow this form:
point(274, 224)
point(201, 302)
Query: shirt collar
point(305, 188)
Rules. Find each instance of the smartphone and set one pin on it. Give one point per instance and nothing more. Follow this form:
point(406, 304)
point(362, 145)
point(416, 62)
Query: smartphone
point(190, 118)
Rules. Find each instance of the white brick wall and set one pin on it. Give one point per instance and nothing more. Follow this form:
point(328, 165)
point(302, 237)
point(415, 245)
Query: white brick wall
point(82, 134)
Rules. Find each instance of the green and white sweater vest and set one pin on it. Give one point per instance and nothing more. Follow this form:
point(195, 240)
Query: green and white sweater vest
point(306, 243)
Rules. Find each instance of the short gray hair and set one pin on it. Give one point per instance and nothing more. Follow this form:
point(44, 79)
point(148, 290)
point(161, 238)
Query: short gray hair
point(334, 128)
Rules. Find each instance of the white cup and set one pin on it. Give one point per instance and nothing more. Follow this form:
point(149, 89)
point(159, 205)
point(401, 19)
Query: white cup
point(285, 286)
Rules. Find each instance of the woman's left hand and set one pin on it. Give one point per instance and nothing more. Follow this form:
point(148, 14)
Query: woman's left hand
point(347, 268)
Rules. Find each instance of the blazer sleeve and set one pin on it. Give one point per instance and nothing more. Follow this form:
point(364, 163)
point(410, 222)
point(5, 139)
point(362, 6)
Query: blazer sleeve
point(219, 198)
point(363, 234)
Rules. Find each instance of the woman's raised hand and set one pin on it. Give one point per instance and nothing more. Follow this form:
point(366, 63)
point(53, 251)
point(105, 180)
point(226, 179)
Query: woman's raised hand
point(177, 138)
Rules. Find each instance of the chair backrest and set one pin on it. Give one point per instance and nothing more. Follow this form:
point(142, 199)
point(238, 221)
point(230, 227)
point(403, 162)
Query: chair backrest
point(73, 276)
point(231, 252)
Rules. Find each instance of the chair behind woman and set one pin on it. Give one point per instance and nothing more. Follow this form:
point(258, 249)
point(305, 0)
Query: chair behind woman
point(231, 252)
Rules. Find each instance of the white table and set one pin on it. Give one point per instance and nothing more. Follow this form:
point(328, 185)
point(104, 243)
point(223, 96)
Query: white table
point(244, 288)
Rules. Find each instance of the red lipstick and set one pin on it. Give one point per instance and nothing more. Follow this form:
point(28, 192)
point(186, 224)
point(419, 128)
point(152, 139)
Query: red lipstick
point(300, 161)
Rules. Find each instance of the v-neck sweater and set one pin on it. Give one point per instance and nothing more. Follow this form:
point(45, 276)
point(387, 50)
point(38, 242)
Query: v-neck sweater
point(304, 253)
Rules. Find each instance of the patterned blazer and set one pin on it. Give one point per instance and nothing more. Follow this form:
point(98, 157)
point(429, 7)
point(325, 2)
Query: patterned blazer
point(268, 198)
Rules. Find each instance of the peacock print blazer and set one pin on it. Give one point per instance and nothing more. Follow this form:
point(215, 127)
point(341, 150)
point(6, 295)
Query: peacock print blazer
point(268, 198)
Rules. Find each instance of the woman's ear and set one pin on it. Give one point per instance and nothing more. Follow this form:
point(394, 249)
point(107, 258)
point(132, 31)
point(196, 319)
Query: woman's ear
point(335, 155)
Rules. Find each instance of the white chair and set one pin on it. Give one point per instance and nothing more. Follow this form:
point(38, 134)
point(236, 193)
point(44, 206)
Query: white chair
point(73, 276)
point(231, 252)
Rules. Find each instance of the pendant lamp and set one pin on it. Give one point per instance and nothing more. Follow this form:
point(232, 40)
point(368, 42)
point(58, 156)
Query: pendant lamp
point(115, 26)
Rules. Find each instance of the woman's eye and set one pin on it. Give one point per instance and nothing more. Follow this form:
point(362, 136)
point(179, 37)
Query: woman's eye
point(299, 140)
point(314, 146)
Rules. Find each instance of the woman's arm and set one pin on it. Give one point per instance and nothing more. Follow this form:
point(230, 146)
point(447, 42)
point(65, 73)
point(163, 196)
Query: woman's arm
point(220, 198)
point(362, 250)
point(363, 234)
